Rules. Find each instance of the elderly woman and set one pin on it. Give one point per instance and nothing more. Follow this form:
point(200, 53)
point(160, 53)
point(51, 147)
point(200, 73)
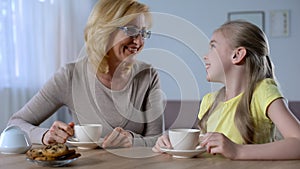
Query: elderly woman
point(107, 86)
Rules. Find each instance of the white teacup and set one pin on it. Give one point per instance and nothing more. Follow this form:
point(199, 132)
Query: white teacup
point(14, 140)
point(184, 139)
point(88, 132)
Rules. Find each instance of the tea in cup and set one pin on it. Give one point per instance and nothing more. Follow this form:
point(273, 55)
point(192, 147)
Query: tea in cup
point(184, 139)
point(88, 132)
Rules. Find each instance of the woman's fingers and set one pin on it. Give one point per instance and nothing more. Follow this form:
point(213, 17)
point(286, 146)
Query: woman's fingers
point(165, 142)
point(58, 132)
point(162, 141)
point(71, 124)
point(63, 128)
point(120, 141)
point(112, 136)
point(118, 138)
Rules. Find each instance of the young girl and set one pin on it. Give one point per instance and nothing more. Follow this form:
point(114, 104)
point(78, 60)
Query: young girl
point(239, 118)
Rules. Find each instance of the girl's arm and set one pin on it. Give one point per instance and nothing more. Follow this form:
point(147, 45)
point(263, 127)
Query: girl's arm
point(288, 148)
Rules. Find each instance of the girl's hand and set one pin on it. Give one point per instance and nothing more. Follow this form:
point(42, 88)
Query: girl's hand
point(219, 143)
point(58, 133)
point(162, 141)
point(118, 138)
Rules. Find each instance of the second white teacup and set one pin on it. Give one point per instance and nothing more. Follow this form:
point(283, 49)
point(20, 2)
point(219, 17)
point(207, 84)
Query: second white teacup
point(88, 132)
point(184, 139)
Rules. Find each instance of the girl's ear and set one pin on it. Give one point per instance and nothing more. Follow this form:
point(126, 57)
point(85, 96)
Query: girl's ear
point(239, 55)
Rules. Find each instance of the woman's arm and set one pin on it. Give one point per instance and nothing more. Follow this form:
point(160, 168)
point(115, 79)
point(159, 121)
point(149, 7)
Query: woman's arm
point(42, 106)
point(154, 108)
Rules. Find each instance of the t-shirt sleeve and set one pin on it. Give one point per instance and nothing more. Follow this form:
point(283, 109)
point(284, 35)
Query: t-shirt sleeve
point(206, 102)
point(265, 94)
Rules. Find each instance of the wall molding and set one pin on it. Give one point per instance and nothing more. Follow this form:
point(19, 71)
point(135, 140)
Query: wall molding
point(189, 112)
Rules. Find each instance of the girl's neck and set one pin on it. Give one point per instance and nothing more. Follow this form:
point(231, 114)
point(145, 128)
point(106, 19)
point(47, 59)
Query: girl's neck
point(235, 82)
point(234, 87)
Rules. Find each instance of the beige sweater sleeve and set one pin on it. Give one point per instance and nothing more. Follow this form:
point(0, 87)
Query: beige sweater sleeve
point(42, 106)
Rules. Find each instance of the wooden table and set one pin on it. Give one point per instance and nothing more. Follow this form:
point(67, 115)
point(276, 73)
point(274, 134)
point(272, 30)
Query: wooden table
point(144, 158)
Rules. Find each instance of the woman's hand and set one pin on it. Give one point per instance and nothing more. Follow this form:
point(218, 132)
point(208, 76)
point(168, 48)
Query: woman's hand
point(219, 143)
point(58, 133)
point(162, 141)
point(118, 138)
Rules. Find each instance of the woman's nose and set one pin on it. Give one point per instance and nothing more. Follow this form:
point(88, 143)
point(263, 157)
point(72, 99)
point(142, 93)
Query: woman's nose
point(139, 40)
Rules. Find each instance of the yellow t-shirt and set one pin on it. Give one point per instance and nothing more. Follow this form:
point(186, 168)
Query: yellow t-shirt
point(222, 119)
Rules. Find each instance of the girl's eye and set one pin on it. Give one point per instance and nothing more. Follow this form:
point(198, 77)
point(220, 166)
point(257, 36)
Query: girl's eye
point(212, 46)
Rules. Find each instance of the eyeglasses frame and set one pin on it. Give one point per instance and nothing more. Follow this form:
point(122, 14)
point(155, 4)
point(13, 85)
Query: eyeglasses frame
point(141, 32)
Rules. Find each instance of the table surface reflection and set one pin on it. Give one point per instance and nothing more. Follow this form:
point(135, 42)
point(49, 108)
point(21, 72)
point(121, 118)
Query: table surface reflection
point(128, 158)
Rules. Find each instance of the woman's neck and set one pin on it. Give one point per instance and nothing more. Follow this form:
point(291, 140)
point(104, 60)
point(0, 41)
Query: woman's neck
point(116, 78)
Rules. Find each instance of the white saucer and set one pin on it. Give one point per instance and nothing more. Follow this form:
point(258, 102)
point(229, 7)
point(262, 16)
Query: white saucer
point(183, 153)
point(85, 145)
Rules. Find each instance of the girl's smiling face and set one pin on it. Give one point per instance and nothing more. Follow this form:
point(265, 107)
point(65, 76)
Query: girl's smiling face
point(218, 59)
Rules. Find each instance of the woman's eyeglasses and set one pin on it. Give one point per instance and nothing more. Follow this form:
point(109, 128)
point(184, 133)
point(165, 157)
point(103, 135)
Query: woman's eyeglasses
point(135, 32)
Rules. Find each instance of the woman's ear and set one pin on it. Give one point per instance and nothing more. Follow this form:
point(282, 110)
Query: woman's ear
point(239, 55)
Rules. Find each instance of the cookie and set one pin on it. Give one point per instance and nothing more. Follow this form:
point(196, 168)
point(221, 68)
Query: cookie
point(76, 155)
point(70, 155)
point(34, 153)
point(52, 152)
point(45, 158)
point(55, 150)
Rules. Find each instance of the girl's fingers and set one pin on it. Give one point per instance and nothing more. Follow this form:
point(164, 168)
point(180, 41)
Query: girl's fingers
point(211, 146)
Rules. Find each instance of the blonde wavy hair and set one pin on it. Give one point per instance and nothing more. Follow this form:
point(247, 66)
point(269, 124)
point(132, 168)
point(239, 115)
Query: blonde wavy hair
point(258, 67)
point(105, 18)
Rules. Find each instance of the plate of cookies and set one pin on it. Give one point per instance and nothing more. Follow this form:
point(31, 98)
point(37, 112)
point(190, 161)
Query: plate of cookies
point(54, 155)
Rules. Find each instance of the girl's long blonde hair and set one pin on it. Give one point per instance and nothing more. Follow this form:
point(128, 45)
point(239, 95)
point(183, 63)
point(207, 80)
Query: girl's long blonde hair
point(258, 67)
point(106, 17)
